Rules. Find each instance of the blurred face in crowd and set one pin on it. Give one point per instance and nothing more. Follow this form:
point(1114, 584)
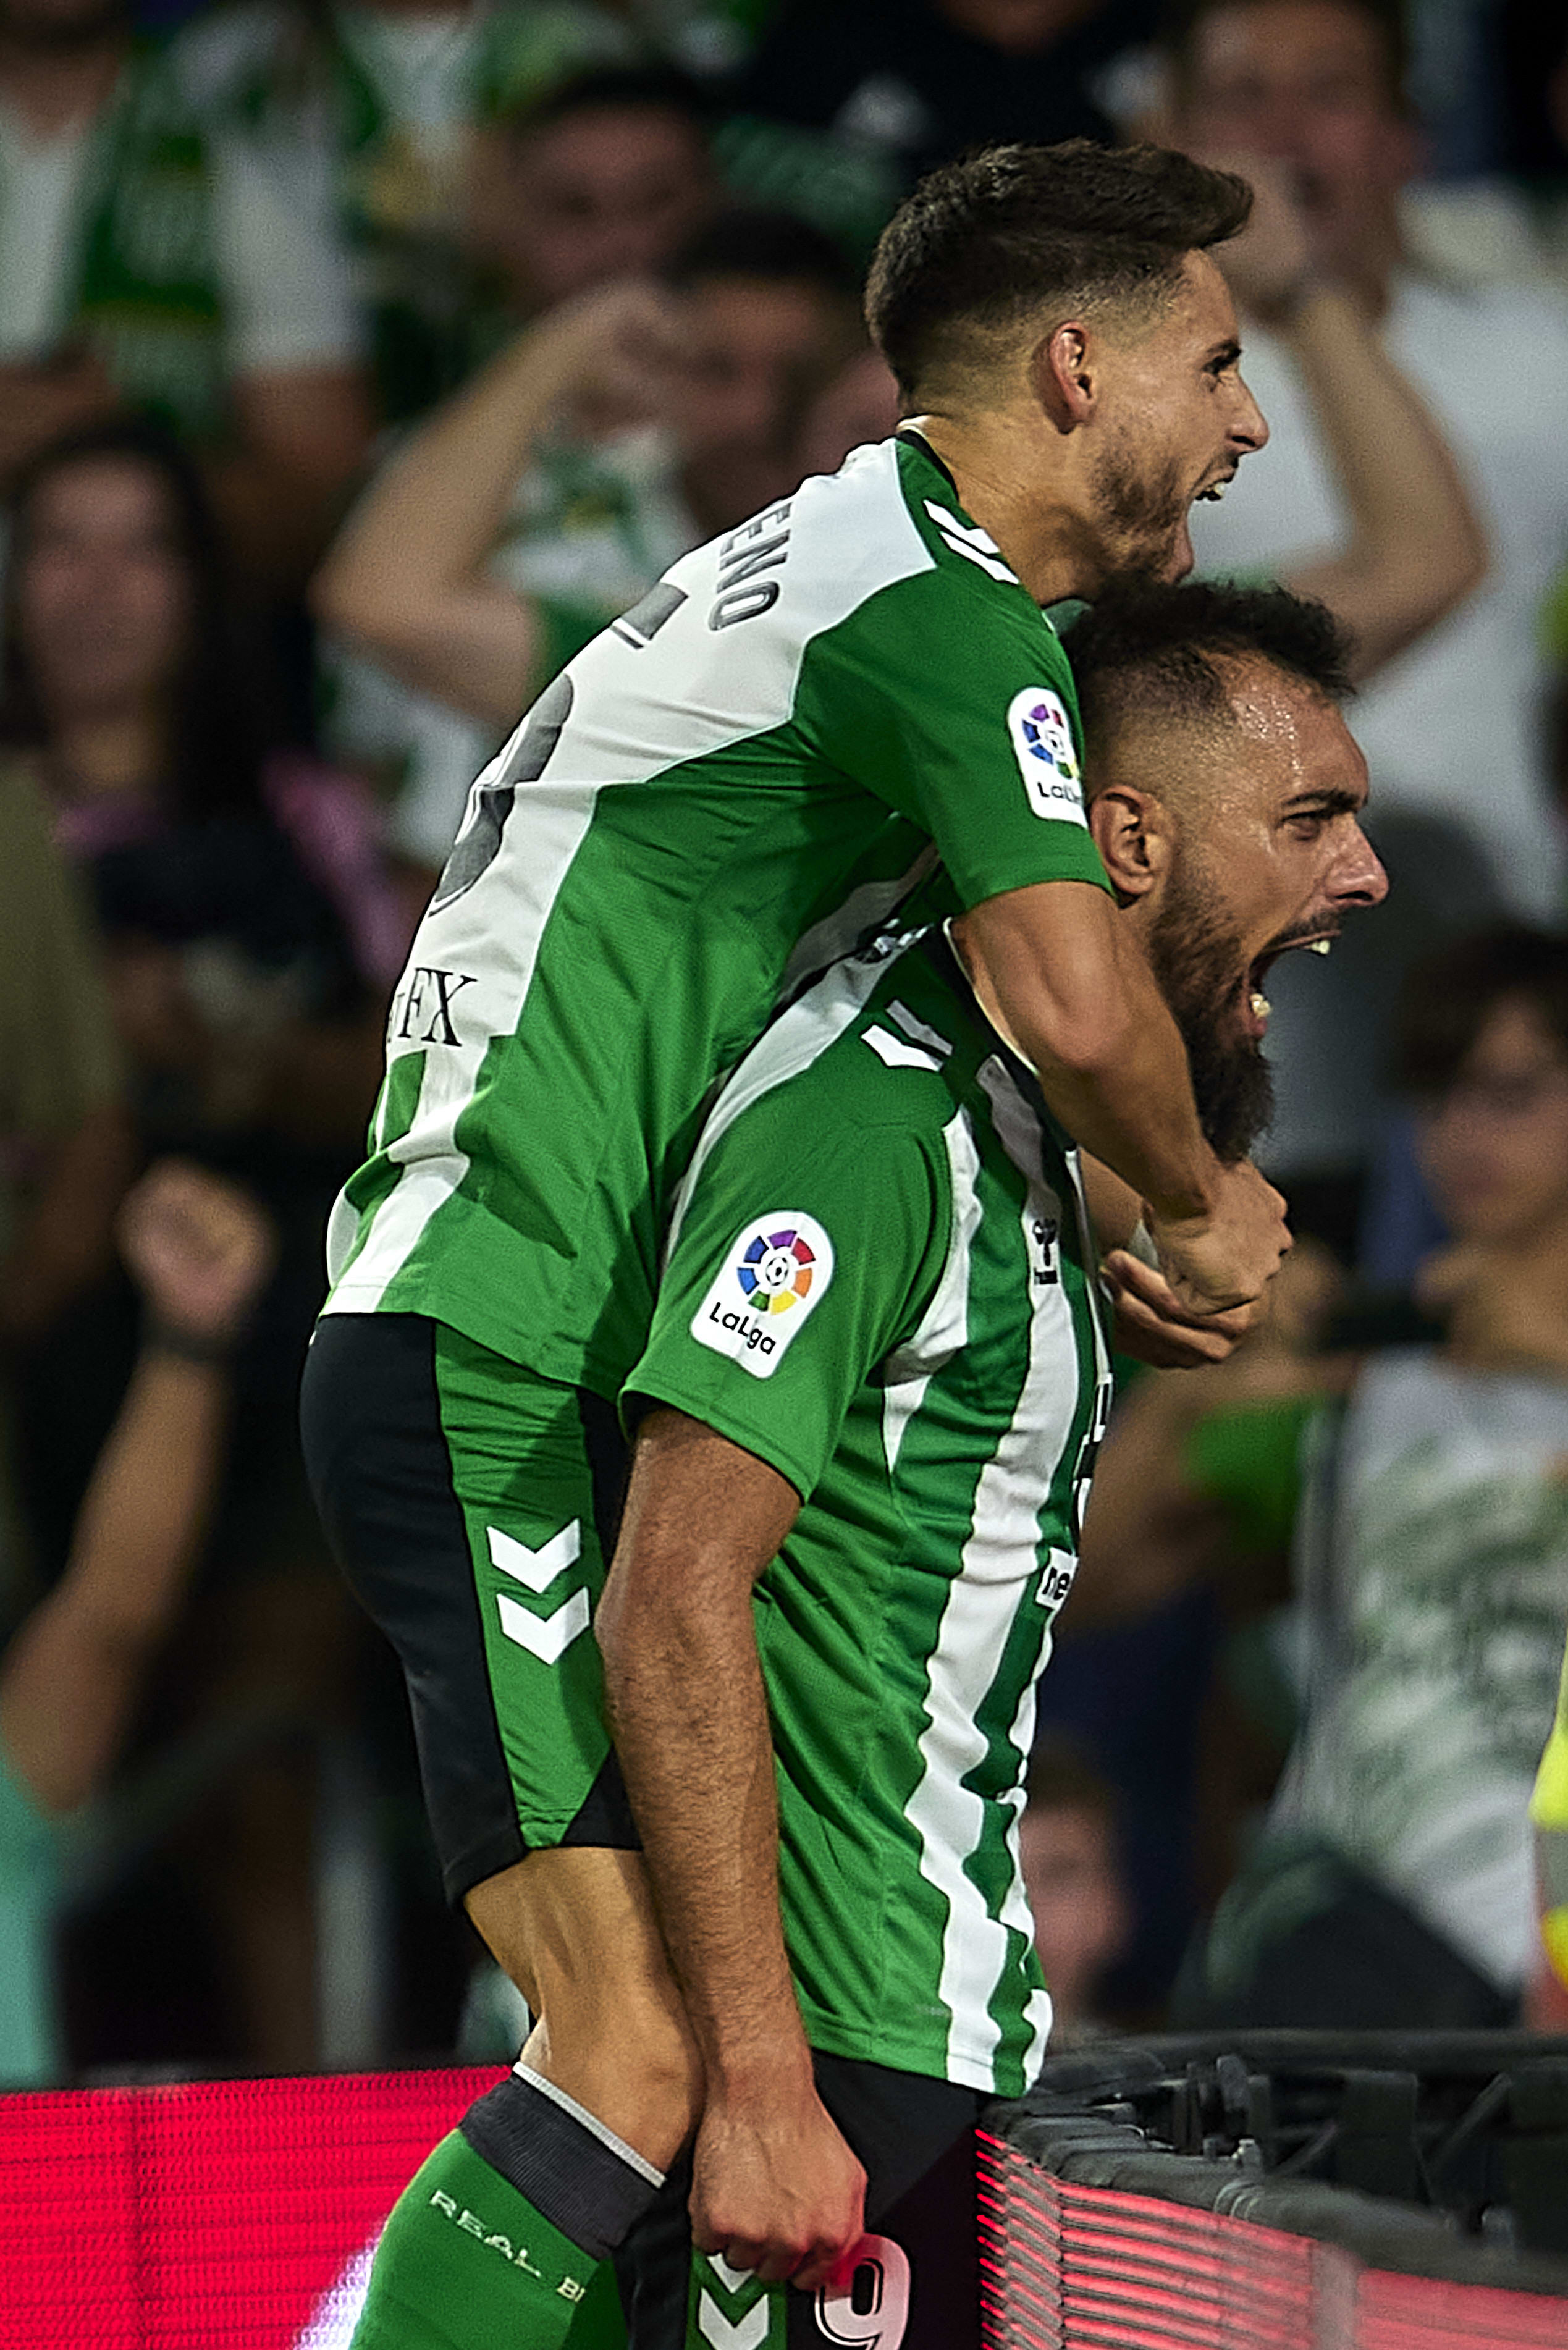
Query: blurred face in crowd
point(1254, 847)
point(751, 356)
point(102, 593)
point(1075, 1888)
point(60, 25)
point(1307, 83)
point(1020, 29)
point(1494, 1145)
point(607, 193)
point(1175, 421)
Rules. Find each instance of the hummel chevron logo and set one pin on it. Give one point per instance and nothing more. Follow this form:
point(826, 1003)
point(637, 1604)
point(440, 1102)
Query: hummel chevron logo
point(535, 1568)
point(735, 2280)
point(546, 1637)
point(968, 539)
point(748, 2333)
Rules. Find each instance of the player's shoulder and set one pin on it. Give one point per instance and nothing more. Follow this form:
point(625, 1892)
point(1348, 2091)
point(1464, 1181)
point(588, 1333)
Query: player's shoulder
point(878, 1047)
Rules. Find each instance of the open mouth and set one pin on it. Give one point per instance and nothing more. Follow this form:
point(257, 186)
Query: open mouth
point(1212, 492)
point(1255, 1004)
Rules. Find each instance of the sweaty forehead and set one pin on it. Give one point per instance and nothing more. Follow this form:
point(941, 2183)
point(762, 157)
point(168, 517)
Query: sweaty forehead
point(1293, 734)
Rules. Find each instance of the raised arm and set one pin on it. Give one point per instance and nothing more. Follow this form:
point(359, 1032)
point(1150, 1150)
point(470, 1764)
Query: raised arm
point(776, 2189)
point(1415, 546)
point(406, 579)
point(199, 1252)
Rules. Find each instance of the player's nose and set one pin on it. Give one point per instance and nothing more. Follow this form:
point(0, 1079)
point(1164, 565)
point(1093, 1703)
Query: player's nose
point(1359, 878)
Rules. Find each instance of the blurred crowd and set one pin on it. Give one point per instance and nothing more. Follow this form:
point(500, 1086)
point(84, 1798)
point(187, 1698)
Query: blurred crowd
point(361, 359)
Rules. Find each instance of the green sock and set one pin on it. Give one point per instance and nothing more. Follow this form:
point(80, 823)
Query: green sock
point(466, 2263)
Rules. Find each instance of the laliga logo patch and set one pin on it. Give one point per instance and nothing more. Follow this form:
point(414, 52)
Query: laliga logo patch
point(1042, 739)
point(774, 1273)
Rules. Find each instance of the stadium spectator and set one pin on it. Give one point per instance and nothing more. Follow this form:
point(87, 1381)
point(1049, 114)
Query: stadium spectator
point(504, 535)
point(1394, 1885)
point(476, 157)
point(1073, 1876)
point(198, 1251)
point(65, 1155)
point(150, 261)
point(1452, 726)
point(250, 937)
point(601, 178)
point(916, 81)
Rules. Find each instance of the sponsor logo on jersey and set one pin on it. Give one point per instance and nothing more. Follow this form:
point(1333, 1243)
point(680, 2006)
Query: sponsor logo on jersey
point(774, 1273)
point(1042, 739)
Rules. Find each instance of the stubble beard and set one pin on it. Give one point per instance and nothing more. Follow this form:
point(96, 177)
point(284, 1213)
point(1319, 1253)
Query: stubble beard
point(1196, 955)
point(1140, 514)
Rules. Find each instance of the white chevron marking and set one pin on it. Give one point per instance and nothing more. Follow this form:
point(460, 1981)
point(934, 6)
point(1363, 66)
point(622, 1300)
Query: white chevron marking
point(746, 2333)
point(736, 2279)
point(896, 1054)
point(546, 1637)
point(535, 1568)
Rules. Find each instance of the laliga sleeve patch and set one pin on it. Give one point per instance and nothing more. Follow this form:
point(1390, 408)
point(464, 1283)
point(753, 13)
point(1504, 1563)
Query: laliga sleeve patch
point(774, 1274)
point(1042, 738)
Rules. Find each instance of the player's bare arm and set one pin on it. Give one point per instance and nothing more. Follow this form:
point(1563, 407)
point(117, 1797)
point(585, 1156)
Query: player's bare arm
point(1056, 971)
point(776, 2189)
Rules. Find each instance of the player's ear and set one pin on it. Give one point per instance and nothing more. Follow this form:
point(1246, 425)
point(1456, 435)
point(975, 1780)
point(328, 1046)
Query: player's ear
point(1132, 833)
point(1060, 376)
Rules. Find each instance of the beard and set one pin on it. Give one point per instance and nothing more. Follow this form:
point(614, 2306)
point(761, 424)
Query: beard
point(1140, 514)
point(1196, 955)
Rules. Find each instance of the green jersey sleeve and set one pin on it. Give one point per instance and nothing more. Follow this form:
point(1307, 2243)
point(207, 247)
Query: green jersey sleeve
point(801, 1259)
point(949, 696)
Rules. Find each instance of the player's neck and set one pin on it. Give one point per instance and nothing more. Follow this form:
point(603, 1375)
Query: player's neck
point(1001, 470)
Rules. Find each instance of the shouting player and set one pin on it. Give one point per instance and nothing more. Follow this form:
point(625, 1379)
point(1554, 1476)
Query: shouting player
point(751, 770)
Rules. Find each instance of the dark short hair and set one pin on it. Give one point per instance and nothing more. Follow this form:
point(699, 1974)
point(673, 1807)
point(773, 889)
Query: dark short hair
point(985, 243)
point(1450, 995)
point(749, 241)
point(1149, 649)
point(1182, 19)
point(603, 89)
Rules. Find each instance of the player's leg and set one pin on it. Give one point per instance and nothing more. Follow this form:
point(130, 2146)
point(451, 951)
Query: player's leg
point(915, 2282)
point(470, 1504)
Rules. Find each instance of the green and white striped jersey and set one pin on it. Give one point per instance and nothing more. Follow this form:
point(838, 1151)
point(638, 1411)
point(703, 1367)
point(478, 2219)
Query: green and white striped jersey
point(881, 1283)
point(727, 788)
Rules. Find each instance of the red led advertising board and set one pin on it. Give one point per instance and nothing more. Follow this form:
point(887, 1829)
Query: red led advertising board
point(210, 2213)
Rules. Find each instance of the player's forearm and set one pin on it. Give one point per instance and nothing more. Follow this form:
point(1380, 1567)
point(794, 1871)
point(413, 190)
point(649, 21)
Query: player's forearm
point(1058, 978)
point(689, 1718)
point(1417, 546)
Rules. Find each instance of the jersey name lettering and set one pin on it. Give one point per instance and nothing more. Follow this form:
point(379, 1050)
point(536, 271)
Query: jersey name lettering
point(743, 593)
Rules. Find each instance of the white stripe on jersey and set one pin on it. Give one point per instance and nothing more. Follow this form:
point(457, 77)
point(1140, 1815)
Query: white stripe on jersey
point(692, 690)
point(531, 861)
point(999, 1557)
point(944, 1326)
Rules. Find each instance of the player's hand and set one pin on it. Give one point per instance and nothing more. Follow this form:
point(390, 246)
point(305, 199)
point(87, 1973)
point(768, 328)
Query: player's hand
point(198, 1248)
point(1229, 1258)
point(1153, 1328)
point(775, 2190)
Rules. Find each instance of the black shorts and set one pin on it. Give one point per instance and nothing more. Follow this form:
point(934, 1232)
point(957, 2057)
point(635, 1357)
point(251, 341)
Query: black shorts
point(915, 2138)
point(473, 1507)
